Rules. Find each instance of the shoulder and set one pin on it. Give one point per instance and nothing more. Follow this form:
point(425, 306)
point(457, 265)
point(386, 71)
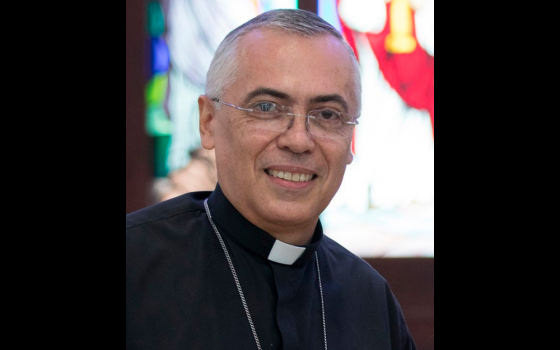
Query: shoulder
point(347, 258)
point(349, 264)
point(178, 206)
point(164, 233)
point(358, 286)
point(169, 225)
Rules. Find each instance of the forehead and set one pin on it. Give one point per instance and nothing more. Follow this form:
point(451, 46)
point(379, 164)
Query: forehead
point(299, 66)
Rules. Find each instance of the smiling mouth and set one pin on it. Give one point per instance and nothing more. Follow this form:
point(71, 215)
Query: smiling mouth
point(294, 177)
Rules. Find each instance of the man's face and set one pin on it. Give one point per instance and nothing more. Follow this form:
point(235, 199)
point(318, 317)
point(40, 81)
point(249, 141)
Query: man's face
point(305, 74)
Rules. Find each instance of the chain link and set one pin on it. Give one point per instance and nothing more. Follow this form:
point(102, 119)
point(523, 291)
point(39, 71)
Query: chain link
point(243, 301)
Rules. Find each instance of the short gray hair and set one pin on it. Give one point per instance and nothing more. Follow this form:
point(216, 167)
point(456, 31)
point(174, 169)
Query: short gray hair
point(223, 68)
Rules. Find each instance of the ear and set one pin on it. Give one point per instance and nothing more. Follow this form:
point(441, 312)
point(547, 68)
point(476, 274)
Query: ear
point(206, 121)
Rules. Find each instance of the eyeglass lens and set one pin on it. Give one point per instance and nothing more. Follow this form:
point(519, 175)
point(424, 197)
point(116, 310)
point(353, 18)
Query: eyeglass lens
point(321, 123)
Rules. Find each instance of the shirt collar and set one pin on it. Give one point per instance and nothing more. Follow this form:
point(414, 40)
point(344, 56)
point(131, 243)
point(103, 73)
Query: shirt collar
point(234, 225)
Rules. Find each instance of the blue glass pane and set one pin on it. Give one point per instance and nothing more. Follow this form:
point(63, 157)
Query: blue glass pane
point(160, 56)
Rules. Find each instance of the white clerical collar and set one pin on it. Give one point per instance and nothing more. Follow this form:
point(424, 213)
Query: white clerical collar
point(284, 253)
point(256, 240)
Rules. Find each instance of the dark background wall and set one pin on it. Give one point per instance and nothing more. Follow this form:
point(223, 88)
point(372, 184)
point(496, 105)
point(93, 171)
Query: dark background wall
point(411, 279)
point(138, 173)
point(412, 282)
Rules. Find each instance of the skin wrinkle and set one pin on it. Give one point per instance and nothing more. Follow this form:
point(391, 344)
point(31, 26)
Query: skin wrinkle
point(223, 69)
point(289, 101)
point(243, 153)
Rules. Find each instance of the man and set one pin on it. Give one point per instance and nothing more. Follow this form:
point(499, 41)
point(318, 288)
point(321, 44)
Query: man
point(247, 266)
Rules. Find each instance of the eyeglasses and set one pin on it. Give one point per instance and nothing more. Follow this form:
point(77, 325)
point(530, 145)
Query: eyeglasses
point(324, 122)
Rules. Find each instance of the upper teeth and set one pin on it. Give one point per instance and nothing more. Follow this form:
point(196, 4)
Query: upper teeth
point(286, 175)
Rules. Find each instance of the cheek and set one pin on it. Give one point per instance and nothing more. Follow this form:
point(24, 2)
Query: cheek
point(226, 146)
point(349, 156)
point(338, 157)
point(239, 146)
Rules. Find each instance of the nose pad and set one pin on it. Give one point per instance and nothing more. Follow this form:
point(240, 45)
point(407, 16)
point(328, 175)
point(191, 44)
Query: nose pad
point(291, 122)
point(295, 139)
point(298, 115)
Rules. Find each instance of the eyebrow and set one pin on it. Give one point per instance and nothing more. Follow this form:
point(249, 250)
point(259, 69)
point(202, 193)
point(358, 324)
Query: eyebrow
point(331, 98)
point(284, 96)
point(267, 91)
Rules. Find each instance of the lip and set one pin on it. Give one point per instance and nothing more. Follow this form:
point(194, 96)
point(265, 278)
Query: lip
point(291, 169)
point(291, 185)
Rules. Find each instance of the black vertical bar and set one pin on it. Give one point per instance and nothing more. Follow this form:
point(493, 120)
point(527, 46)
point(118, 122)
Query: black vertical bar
point(309, 5)
point(138, 174)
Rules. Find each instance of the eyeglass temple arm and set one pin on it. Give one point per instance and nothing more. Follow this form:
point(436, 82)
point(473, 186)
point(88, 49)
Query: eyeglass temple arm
point(215, 99)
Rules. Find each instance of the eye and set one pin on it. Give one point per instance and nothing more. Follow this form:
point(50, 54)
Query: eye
point(327, 115)
point(265, 107)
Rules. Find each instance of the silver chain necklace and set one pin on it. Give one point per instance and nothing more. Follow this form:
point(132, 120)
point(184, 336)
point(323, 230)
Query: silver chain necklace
point(243, 301)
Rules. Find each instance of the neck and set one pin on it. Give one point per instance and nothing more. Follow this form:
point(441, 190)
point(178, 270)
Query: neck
point(294, 234)
point(298, 237)
point(291, 228)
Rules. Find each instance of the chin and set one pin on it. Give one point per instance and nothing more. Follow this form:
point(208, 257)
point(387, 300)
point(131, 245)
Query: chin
point(293, 214)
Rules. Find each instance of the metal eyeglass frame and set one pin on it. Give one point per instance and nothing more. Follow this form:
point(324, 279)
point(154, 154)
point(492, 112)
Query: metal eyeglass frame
point(215, 99)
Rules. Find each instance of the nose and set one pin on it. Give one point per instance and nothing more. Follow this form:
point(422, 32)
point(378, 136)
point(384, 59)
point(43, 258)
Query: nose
point(297, 137)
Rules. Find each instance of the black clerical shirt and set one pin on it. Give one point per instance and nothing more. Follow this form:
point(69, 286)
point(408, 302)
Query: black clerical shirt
point(181, 294)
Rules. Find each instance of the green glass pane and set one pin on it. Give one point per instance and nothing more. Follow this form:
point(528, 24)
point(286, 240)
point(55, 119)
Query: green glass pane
point(161, 151)
point(157, 122)
point(156, 90)
point(156, 23)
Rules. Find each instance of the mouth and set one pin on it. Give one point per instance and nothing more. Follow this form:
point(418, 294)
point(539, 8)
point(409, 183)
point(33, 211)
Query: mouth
point(290, 176)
